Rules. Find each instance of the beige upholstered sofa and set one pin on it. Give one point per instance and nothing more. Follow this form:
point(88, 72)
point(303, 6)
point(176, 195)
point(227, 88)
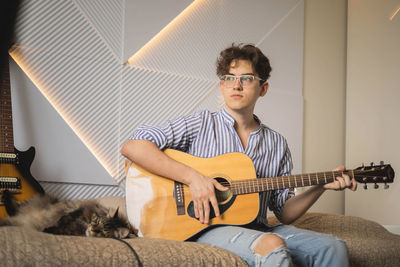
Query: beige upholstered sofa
point(369, 245)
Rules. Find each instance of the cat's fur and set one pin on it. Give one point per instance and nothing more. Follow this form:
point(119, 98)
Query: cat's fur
point(80, 217)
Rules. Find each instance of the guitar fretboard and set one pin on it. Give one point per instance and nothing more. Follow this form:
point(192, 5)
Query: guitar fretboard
point(6, 125)
point(240, 187)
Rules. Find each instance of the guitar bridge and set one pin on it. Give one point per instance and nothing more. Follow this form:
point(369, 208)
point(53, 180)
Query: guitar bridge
point(179, 198)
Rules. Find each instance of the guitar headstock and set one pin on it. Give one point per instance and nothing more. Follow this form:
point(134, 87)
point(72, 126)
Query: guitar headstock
point(382, 173)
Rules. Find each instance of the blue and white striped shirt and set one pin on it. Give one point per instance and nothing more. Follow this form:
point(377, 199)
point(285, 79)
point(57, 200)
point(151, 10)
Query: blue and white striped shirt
point(209, 134)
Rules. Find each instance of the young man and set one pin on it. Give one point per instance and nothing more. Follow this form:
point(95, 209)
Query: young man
point(243, 71)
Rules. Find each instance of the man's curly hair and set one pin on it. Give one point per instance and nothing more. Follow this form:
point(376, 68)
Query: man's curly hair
point(248, 52)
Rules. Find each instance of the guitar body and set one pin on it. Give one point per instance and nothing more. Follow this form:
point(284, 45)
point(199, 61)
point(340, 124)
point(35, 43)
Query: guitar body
point(162, 208)
point(156, 208)
point(19, 168)
point(15, 175)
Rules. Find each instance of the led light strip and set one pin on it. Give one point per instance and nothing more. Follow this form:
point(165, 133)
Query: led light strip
point(165, 30)
point(394, 14)
point(38, 85)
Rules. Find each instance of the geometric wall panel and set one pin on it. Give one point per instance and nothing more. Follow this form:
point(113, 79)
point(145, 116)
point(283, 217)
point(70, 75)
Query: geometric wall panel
point(87, 100)
point(150, 94)
point(105, 17)
point(284, 52)
point(59, 27)
point(75, 68)
point(140, 27)
point(72, 51)
point(61, 156)
point(65, 191)
point(209, 26)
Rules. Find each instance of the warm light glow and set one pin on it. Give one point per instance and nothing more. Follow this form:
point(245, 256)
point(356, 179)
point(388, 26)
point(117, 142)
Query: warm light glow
point(30, 73)
point(159, 36)
point(394, 14)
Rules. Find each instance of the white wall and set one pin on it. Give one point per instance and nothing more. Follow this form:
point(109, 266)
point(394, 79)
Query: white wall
point(324, 93)
point(373, 94)
point(351, 89)
point(89, 103)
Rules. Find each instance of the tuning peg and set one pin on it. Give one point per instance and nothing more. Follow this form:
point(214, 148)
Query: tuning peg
point(376, 186)
point(382, 163)
point(386, 186)
point(365, 186)
point(372, 164)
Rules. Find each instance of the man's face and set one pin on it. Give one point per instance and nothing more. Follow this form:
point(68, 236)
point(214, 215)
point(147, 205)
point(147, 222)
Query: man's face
point(242, 97)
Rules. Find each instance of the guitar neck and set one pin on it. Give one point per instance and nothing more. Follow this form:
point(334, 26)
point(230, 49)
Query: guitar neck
point(6, 122)
point(240, 187)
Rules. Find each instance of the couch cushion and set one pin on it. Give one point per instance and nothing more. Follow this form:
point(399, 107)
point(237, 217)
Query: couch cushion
point(25, 247)
point(369, 243)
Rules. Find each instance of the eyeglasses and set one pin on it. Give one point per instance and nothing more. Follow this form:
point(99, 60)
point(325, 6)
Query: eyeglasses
point(245, 80)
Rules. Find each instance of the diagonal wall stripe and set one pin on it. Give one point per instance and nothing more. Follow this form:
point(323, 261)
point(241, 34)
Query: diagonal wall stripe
point(64, 191)
point(106, 18)
point(59, 27)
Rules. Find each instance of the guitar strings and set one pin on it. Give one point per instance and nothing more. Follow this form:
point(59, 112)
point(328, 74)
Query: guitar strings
point(285, 181)
point(281, 182)
point(313, 176)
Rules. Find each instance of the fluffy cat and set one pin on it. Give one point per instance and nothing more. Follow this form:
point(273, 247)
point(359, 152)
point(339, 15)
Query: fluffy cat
point(80, 217)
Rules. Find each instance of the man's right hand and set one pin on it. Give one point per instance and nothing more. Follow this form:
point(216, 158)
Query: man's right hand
point(202, 190)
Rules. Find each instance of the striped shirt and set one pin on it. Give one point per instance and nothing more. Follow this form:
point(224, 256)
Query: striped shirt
point(209, 134)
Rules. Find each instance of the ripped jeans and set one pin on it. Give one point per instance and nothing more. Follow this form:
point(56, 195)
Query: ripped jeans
point(305, 248)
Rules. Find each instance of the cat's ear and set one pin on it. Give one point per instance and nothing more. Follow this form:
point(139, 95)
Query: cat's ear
point(123, 232)
point(115, 215)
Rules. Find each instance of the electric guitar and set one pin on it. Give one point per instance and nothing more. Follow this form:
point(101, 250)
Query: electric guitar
point(15, 165)
point(163, 208)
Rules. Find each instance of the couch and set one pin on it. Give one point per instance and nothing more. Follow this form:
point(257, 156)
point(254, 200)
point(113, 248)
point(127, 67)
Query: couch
point(369, 245)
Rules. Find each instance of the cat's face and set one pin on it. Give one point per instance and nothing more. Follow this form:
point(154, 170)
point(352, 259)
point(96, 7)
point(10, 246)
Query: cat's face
point(107, 226)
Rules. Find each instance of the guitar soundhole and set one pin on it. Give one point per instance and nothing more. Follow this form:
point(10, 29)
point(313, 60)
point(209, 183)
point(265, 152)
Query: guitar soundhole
point(225, 199)
point(223, 196)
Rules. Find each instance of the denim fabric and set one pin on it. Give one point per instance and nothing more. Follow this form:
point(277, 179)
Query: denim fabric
point(305, 248)
point(241, 241)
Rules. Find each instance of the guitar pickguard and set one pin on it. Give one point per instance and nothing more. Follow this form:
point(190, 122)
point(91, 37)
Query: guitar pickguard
point(222, 208)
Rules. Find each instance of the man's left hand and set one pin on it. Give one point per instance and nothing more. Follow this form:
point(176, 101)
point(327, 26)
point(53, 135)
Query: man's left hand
point(342, 182)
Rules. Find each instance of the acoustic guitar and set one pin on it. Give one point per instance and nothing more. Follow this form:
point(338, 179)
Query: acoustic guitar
point(15, 165)
point(164, 208)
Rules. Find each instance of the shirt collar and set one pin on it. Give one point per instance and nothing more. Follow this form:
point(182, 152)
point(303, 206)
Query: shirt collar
point(228, 119)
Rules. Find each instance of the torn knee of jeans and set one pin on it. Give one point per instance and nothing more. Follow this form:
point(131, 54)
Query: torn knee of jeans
point(267, 243)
